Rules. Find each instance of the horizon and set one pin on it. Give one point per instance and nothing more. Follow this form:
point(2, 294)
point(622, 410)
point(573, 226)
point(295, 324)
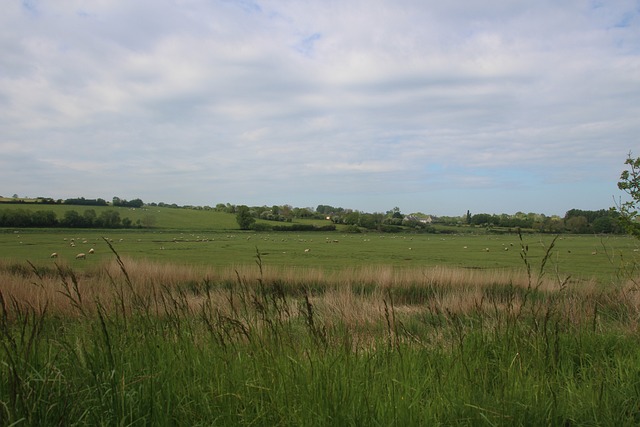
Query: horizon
point(427, 106)
point(109, 202)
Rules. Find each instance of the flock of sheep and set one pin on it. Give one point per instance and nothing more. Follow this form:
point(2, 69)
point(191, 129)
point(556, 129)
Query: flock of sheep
point(80, 255)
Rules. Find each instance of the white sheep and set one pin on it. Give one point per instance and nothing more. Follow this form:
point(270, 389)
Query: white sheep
point(81, 256)
point(307, 250)
point(91, 251)
point(54, 255)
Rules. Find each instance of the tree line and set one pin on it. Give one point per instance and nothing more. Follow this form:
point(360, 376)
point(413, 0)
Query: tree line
point(603, 221)
point(23, 218)
point(77, 201)
point(576, 221)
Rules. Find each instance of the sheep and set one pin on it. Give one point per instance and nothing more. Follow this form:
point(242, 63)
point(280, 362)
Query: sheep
point(91, 251)
point(81, 256)
point(54, 255)
point(307, 250)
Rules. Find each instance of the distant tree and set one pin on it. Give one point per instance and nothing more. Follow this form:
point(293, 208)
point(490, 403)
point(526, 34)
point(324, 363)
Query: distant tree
point(44, 219)
point(244, 218)
point(136, 203)
point(604, 224)
point(110, 219)
point(484, 219)
point(16, 218)
point(302, 212)
point(90, 218)
point(577, 224)
point(368, 221)
point(352, 218)
point(71, 219)
point(84, 202)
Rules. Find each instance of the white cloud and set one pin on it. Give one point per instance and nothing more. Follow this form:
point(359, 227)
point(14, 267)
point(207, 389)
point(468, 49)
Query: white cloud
point(365, 97)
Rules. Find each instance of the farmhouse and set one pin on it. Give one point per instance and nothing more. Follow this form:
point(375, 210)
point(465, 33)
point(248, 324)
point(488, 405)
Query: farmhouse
point(423, 219)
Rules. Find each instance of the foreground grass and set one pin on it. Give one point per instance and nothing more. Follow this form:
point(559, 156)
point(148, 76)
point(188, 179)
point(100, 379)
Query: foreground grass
point(136, 343)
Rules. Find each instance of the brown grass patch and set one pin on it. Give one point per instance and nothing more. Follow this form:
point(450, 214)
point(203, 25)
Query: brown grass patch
point(353, 297)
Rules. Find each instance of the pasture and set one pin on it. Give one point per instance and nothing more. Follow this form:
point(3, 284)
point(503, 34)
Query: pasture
point(579, 256)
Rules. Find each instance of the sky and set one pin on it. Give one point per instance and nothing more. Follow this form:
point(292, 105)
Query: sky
point(437, 107)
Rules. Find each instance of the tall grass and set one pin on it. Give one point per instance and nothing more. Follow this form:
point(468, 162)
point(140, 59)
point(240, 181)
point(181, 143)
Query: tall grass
point(141, 343)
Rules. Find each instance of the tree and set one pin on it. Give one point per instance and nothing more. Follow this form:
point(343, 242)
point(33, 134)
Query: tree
point(577, 224)
point(71, 219)
point(110, 219)
point(89, 217)
point(45, 219)
point(244, 218)
point(630, 183)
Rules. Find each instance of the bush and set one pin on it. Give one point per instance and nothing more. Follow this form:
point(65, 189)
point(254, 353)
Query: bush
point(261, 226)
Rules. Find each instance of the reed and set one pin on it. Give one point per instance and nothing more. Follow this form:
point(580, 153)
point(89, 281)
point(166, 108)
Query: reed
point(135, 342)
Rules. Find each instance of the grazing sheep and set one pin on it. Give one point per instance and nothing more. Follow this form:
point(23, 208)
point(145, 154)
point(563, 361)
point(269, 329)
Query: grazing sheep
point(81, 256)
point(307, 250)
point(54, 255)
point(91, 251)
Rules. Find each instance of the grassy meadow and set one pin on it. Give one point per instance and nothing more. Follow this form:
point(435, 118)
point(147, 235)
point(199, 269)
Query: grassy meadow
point(207, 325)
point(581, 257)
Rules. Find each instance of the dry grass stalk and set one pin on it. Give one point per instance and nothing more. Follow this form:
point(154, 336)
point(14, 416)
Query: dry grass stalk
point(351, 296)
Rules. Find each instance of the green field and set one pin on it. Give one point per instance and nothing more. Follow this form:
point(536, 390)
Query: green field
point(195, 322)
point(581, 257)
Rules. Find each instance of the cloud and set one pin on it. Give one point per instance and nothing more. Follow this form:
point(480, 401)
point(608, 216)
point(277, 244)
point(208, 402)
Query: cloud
point(203, 102)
